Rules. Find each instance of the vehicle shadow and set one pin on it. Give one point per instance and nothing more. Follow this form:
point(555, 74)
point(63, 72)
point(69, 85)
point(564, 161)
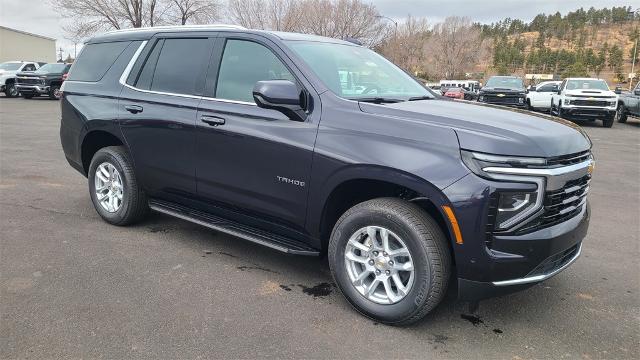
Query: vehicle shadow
point(313, 276)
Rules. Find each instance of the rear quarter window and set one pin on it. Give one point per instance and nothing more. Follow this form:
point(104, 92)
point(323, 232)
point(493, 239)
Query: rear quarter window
point(95, 60)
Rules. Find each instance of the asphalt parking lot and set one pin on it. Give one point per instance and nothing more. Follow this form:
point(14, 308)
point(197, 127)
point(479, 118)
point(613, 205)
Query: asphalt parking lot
point(72, 286)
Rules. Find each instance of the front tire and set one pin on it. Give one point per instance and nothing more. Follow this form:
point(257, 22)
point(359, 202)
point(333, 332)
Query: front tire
point(27, 96)
point(11, 90)
point(54, 93)
point(608, 121)
point(114, 189)
point(390, 260)
point(621, 114)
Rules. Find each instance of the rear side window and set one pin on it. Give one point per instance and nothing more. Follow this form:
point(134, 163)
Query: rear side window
point(95, 60)
point(144, 79)
point(179, 68)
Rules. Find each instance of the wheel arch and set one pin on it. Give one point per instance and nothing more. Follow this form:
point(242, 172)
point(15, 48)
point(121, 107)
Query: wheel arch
point(361, 183)
point(95, 140)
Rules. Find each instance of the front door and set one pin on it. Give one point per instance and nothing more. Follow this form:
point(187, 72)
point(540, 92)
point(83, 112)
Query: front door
point(252, 160)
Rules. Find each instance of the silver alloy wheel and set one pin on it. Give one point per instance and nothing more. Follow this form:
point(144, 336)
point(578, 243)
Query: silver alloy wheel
point(108, 186)
point(379, 265)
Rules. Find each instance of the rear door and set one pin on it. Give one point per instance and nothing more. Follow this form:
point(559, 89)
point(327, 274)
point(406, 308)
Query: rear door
point(542, 98)
point(252, 160)
point(157, 112)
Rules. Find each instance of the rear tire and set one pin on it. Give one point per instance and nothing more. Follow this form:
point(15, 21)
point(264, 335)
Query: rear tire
point(116, 194)
point(422, 239)
point(621, 114)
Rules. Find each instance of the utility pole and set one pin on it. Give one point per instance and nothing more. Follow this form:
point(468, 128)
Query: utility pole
point(395, 33)
point(633, 63)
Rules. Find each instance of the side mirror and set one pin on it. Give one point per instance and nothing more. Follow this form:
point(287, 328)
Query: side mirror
point(618, 90)
point(636, 92)
point(532, 88)
point(281, 95)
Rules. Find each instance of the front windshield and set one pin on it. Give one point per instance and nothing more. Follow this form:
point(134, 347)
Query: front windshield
point(355, 72)
point(51, 68)
point(505, 83)
point(587, 84)
point(10, 66)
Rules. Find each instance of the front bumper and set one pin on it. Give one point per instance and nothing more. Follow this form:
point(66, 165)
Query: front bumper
point(33, 89)
point(491, 263)
point(588, 112)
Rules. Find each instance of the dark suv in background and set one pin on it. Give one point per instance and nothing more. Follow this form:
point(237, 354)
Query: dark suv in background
point(504, 90)
point(47, 80)
point(262, 140)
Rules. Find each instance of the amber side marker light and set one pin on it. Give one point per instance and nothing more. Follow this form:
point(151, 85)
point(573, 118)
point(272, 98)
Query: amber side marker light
point(454, 223)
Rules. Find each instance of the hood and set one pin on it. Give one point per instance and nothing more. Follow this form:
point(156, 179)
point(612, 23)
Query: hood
point(492, 129)
point(590, 92)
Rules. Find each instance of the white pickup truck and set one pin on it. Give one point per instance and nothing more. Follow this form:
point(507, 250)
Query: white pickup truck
point(8, 71)
point(539, 96)
point(585, 99)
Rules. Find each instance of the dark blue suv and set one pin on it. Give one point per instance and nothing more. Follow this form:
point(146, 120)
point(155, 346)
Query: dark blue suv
point(316, 146)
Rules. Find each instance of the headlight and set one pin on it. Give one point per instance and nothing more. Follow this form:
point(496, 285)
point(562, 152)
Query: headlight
point(513, 206)
point(521, 100)
point(481, 98)
point(613, 103)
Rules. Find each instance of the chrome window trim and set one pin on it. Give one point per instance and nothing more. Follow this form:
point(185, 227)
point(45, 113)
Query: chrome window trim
point(127, 70)
point(129, 67)
point(537, 278)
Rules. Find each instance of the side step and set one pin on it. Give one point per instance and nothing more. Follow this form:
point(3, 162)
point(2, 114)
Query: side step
point(261, 237)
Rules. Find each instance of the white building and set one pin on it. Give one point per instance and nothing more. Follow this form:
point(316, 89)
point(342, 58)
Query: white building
point(20, 45)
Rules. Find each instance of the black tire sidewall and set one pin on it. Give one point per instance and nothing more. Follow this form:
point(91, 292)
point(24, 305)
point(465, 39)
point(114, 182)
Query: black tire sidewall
point(8, 88)
point(102, 156)
point(52, 92)
point(623, 116)
point(419, 293)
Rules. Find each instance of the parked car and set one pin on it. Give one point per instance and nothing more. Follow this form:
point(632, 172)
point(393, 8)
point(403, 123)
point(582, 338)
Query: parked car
point(585, 99)
point(628, 104)
point(539, 96)
point(47, 80)
point(8, 71)
point(504, 90)
point(454, 93)
point(256, 138)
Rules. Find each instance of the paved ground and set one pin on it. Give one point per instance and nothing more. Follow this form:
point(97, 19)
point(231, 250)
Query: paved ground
point(73, 286)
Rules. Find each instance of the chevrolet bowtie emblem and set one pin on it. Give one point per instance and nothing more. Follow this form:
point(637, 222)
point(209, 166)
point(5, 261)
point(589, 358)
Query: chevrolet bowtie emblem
point(500, 95)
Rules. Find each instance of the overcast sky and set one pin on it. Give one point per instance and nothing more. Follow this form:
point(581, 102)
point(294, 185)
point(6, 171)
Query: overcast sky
point(37, 16)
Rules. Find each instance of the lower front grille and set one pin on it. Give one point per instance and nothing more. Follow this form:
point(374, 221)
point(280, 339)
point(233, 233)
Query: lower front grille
point(589, 103)
point(555, 262)
point(502, 100)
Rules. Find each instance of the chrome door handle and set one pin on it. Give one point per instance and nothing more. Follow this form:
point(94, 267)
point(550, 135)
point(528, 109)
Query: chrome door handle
point(212, 120)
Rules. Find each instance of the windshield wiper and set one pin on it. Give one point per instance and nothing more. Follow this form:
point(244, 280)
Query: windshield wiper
point(416, 98)
point(377, 100)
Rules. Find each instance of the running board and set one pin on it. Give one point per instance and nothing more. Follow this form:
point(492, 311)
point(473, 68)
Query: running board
point(254, 235)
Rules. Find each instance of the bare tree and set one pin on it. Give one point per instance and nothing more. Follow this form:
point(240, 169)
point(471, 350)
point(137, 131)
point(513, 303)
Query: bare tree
point(454, 46)
point(280, 15)
point(333, 18)
point(406, 44)
point(195, 11)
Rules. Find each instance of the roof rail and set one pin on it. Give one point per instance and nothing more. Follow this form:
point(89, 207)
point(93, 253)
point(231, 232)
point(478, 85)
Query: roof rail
point(176, 27)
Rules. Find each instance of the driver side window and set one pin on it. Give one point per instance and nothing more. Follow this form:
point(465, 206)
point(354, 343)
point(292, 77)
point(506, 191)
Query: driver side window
point(243, 64)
